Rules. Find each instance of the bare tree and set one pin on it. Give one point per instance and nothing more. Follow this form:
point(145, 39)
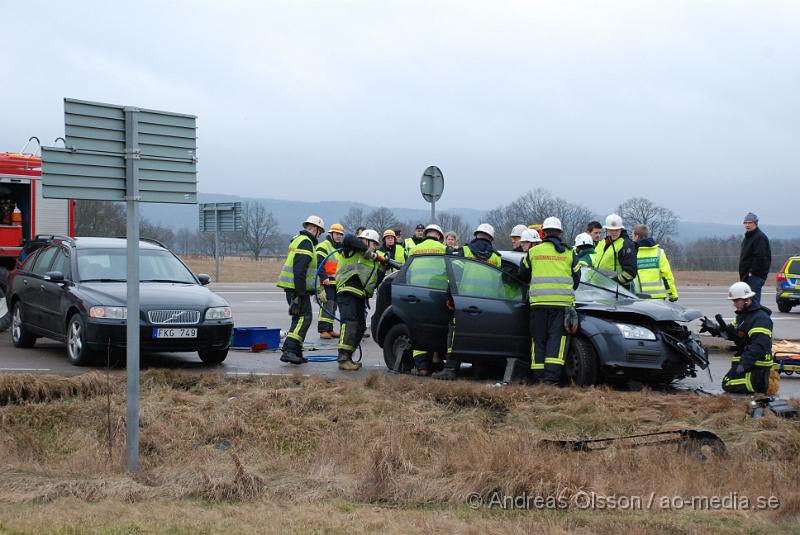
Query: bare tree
point(353, 219)
point(455, 223)
point(258, 227)
point(380, 219)
point(99, 218)
point(663, 222)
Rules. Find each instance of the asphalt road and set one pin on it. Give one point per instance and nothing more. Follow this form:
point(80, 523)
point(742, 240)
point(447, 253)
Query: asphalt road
point(264, 305)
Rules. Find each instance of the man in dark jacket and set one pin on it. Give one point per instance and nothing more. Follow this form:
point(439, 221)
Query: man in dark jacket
point(755, 257)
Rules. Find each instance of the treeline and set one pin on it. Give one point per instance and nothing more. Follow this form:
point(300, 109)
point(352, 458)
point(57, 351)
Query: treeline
point(722, 254)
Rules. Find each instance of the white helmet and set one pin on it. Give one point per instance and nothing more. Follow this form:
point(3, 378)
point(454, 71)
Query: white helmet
point(552, 223)
point(437, 228)
point(614, 222)
point(740, 290)
point(486, 228)
point(530, 235)
point(517, 231)
point(370, 235)
point(315, 220)
point(583, 239)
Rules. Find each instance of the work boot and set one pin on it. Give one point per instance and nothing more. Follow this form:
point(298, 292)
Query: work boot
point(292, 357)
point(325, 335)
point(334, 334)
point(446, 374)
point(346, 363)
point(422, 372)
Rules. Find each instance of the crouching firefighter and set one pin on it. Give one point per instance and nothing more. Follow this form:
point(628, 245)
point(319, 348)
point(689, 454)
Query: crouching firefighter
point(356, 280)
point(751, 331)
point(554, 274)
point(297, 280)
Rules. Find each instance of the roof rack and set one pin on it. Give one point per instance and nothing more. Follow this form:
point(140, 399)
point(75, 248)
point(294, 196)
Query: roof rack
point(51, 237)
point(149, 240)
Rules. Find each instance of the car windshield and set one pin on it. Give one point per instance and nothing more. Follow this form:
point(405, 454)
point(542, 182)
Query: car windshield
point(596, 286)
point(110, 265)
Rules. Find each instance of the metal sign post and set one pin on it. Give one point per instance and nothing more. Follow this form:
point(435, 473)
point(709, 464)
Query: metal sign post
point(219, 217)
point(432, 185)
point(120, 153)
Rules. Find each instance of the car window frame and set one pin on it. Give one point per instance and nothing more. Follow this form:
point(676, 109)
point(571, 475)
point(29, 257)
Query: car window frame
point(402, 276)
point(67, 254)
point(28, 261)
point(453, 284)
point(39, 255)
point(793, 261)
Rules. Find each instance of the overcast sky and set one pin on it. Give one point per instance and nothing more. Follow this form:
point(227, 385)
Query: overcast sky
point(694, 104)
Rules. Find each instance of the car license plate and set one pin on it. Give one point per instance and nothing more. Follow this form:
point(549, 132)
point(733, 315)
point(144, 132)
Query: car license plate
point(175, 332)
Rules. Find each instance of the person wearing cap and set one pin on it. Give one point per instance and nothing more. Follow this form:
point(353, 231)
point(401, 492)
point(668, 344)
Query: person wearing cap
point(472, 282)
point(516, 235)
point(297, 280)
point(584, 249)
point(755, 256)
point(617, 252)
point(751, 332)
point(652, 267)
point(530, 238)
point(356, 280)
point(427, 273)
point(327, 278)
point(553, 273)
point(418, 237)
point(390, 249)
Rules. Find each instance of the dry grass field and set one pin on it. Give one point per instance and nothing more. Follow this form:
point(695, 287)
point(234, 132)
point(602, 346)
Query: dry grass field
point(238, 269)
point(388, 455)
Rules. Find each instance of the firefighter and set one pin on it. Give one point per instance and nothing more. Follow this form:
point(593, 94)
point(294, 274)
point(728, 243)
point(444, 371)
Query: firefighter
point(584, 249)
point(297, 280)
point(430, 275)
point(652, 267)
point(553, 273)
point(516, 234)
point(473, 281)
point(751, 331)
point(327, 279)
point(530, 238)
point(390, 249)
point(418, 237)
point(617, 252)
point(356, 280)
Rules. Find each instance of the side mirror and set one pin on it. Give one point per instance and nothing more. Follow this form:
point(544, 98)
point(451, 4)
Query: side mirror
point(54, 276)
point(204, 279)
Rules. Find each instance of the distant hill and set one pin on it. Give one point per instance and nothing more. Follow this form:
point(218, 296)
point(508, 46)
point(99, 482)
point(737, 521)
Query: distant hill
point(291, 213)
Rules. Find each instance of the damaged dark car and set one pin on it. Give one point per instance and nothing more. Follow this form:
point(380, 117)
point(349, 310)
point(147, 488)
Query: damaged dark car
point(623, 336)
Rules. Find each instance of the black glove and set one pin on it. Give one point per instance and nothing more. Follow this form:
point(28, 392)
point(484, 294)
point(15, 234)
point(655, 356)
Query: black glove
point(739, 370)
point(571, 321)
point(673, 299)
point(710, 327)
point(294, 308)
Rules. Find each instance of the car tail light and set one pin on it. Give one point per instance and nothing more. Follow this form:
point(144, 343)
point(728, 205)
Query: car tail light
point(780, 276)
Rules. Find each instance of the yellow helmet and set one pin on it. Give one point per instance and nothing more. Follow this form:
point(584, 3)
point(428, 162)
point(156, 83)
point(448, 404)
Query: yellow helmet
point(336, 227)
point(389, 232)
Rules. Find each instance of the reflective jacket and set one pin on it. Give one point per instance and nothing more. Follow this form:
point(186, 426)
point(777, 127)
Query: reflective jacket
point(356, 274)
point(482, 250)
point(553, 272)
point(619, 256)
point(653, 270)
point(412, 242)
point(395, 252)
point(323, 250)
point(586, 257)
point(428, 272)
point(751, 331)
point(300, 268)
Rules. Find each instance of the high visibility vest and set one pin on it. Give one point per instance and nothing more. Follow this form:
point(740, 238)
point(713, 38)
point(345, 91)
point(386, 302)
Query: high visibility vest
point(398, 253)
point(286, 278)
point(428, 272)
point(586, 257)
point(493, 260)
point(551, 276)
point(653, 267)
point(477, 281)
point(359, 266)
point(409, 244)
point(326, 248)
point(607, 255)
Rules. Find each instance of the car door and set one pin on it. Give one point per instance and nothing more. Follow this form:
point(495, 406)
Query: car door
point(419, 299)
point(491, 311)
point(53, 294)
point(32, 297)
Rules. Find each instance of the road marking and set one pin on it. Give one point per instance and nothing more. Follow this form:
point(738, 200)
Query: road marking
point(25, 370)
point(267, 374)
point(250, 293)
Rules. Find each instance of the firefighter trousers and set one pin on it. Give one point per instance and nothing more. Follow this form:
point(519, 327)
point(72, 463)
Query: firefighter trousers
point(326, 312)
point(548, 342)
point(352, 310)
point(301, 321)
point(749, 382)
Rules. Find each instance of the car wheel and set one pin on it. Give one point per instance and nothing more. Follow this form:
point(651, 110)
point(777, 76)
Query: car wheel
point(580, 364)
point(397, 345)
point(77, 350)
point(19, 334)
point(5, 314)
point(213, 356)
point(784, 307)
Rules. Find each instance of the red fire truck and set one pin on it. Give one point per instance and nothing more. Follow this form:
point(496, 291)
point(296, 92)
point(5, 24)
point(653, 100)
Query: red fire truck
point(24, 214)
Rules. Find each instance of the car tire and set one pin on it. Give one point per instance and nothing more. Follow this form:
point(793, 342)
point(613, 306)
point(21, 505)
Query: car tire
point(397, 344)
point(213, 356)
point(580, 364)
point(20, 336)
point(78, 351)
point(782, 307)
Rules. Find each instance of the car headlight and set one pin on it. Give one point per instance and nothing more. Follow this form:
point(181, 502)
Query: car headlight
point(109, 313)
point(635, 332)
point(219, 313)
